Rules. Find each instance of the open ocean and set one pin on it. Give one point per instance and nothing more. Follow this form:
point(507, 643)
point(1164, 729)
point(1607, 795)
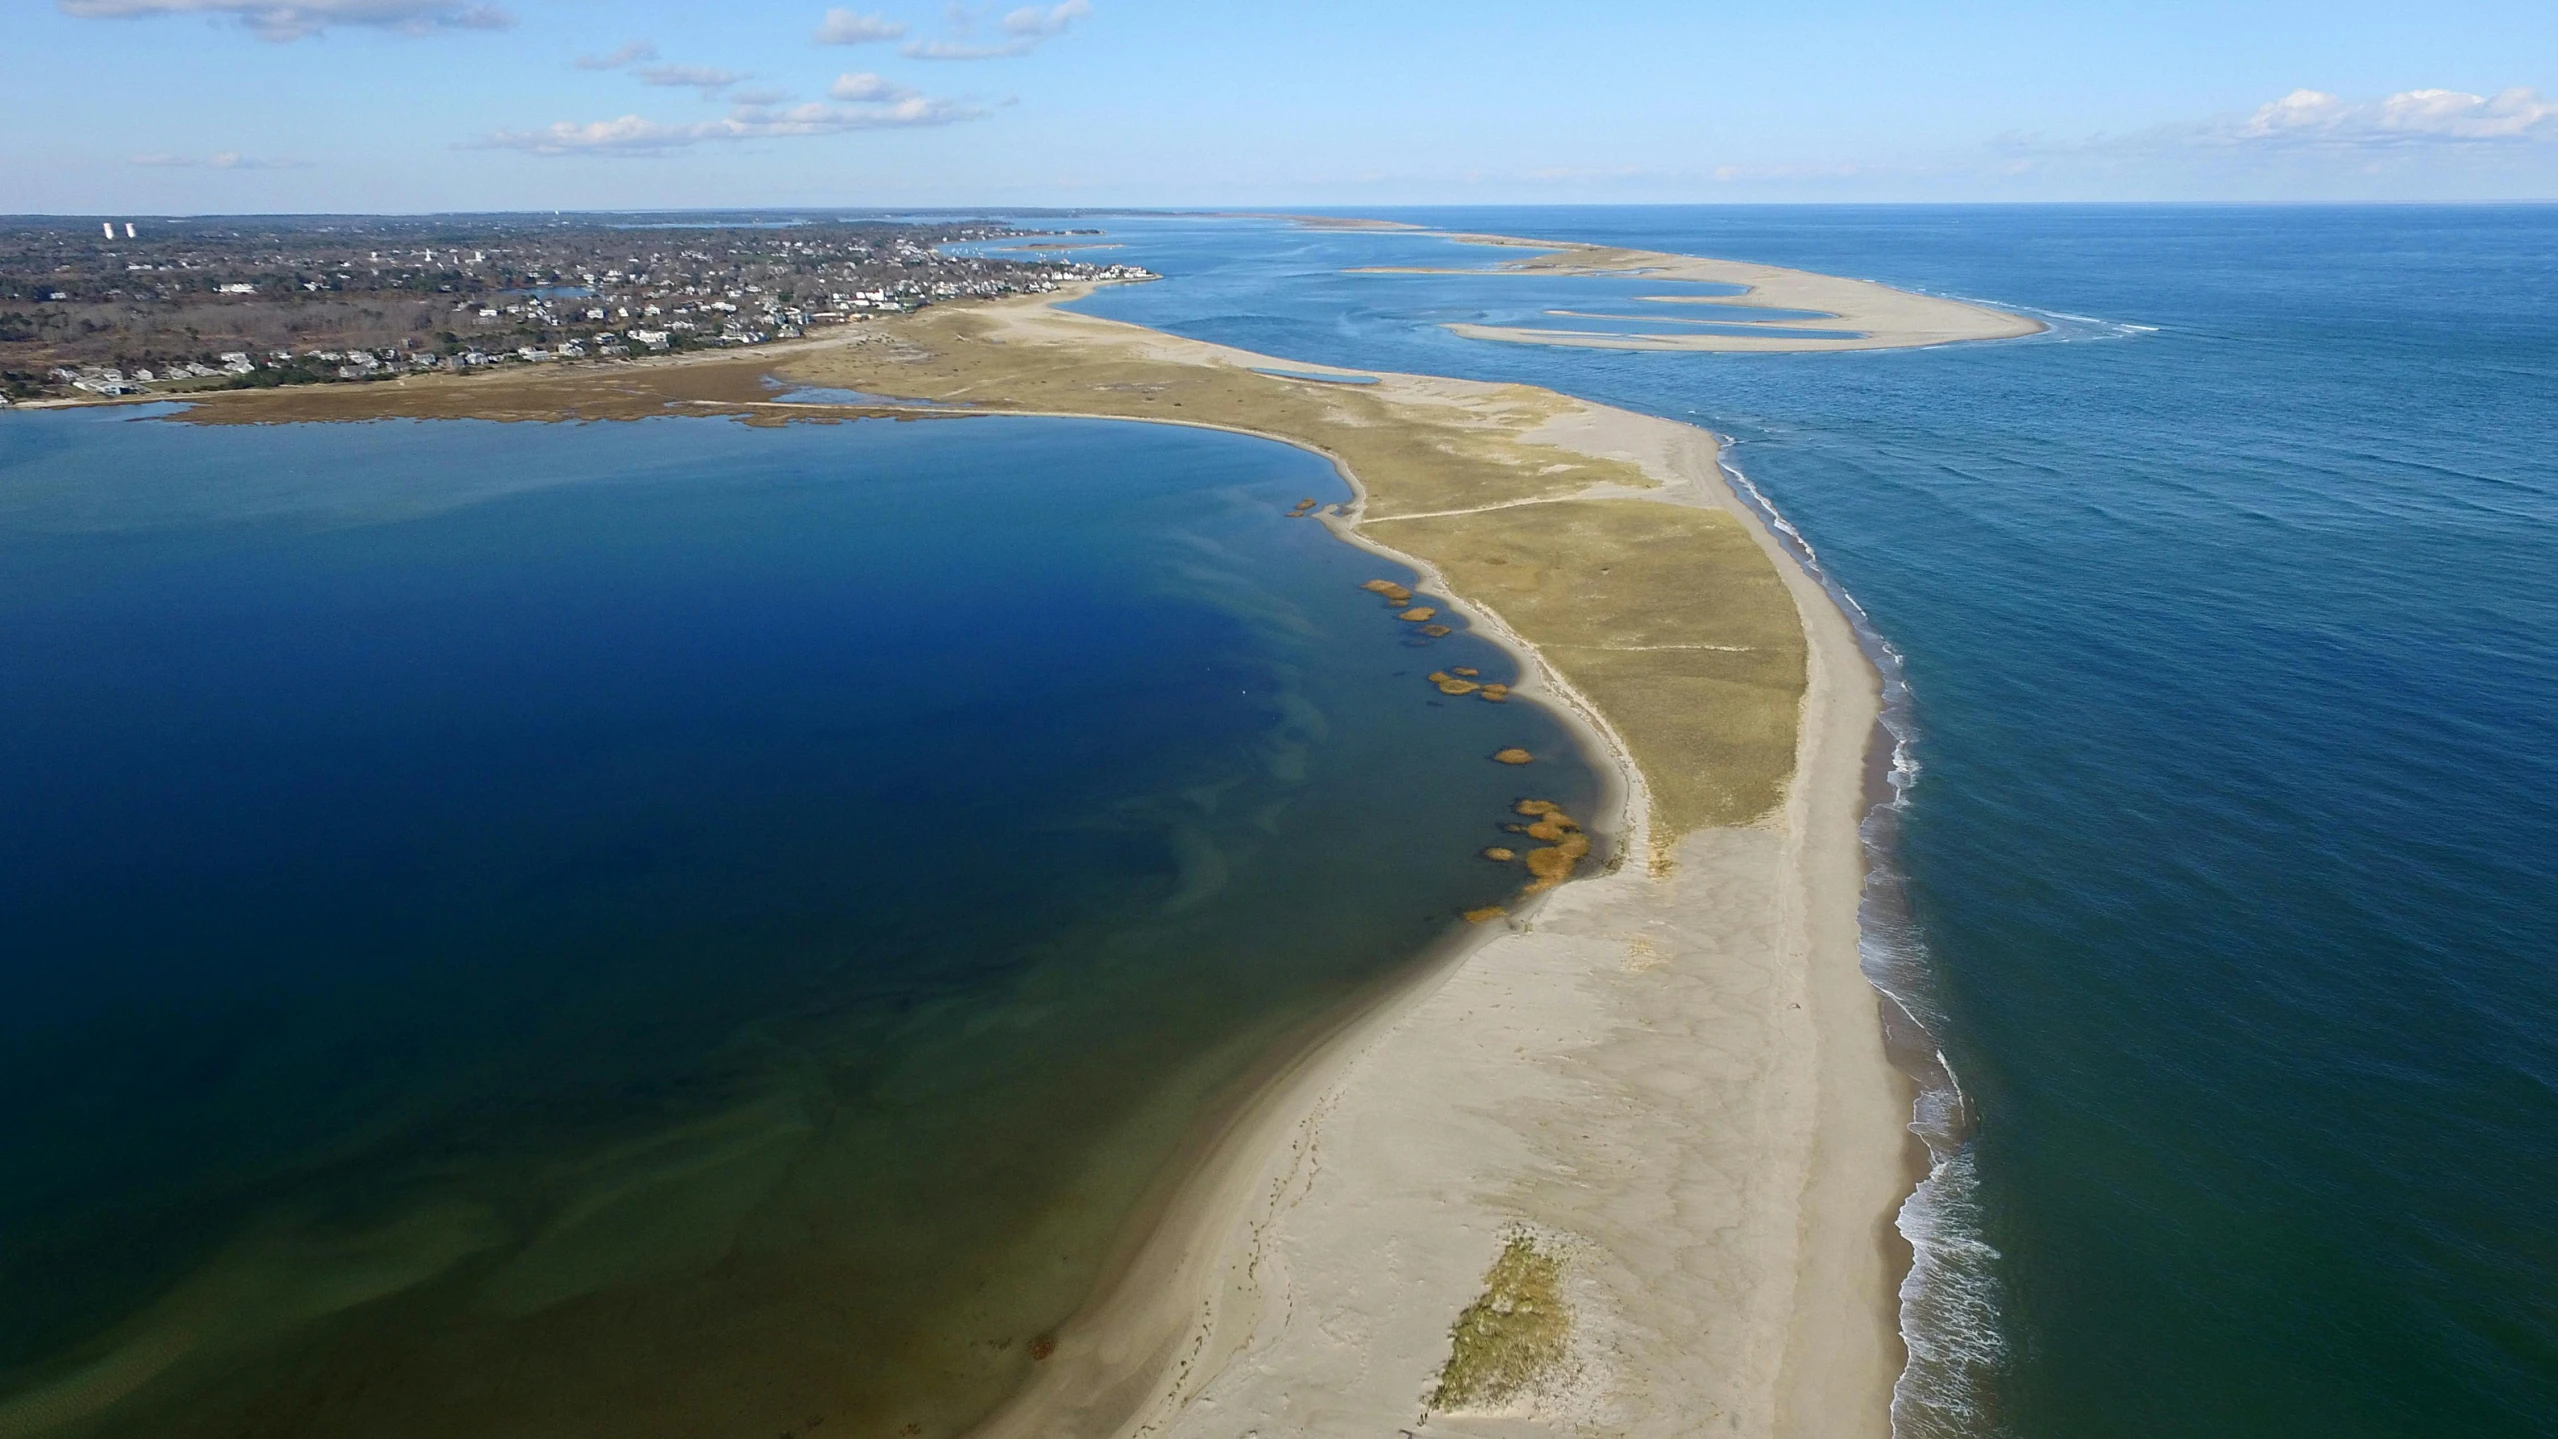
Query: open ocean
point(2229, 611)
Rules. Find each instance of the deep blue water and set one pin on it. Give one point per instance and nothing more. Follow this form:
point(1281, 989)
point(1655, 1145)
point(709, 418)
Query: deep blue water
point(663, 928)
point(2228, 611)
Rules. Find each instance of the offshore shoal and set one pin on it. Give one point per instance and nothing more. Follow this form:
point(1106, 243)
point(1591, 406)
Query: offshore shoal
point(1629, 1156)
point(1861, 314)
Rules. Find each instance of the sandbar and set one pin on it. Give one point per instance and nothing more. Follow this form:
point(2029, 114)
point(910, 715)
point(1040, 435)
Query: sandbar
point(1863, 315)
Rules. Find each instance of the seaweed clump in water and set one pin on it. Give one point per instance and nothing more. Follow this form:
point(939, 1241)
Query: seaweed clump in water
point(1565, 843)
point(1450, 685)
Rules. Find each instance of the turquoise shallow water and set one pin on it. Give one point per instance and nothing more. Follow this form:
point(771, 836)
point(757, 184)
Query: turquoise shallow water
point(2227, 612)
point(663, 928)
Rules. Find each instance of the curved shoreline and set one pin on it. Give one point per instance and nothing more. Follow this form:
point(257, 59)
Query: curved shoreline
point(1148, 1337)
point(1699, 1021)
point(1198, 1292)
point(1162, 1322)
point(1191, 1297)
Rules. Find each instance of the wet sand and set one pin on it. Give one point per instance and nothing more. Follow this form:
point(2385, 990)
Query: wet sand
point(1667, 1078)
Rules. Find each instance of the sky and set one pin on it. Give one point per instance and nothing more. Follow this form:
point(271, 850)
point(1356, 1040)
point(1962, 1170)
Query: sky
point(271, 106)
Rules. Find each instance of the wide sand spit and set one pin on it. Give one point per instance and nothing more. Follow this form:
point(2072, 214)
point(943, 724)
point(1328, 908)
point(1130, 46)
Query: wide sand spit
point(1621, 1160)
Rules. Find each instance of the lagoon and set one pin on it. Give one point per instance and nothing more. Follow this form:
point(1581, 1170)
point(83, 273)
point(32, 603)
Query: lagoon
point(527, 929)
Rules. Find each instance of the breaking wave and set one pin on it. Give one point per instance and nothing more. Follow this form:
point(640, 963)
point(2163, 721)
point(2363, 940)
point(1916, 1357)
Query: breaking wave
point(1950, 1299)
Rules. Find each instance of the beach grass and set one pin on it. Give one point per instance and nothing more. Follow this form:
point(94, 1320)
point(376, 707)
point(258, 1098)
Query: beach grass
point(1517, 1335)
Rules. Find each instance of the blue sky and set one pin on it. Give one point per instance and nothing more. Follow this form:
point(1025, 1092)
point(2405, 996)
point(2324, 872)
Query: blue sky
point(187, 106)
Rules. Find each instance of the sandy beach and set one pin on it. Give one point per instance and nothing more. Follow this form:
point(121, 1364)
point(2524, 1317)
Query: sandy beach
point(1668, 1077)
point(1622, 1159)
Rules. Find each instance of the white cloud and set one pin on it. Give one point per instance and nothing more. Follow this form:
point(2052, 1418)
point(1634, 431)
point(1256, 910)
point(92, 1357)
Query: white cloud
point(705, 78)
point(1025, 29)
point(868, 88)
point(962, 50)
point(1034, 23)
point(633, 136)
point(2309, 124)
point(629, 135)
point(630, 54)
point(848, 27)
point(2410, 117)
point(294, 19)
point(224, 160)
point(2299, 110)
point(1836, 170)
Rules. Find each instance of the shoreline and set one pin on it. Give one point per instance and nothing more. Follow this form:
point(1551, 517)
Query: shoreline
point(1129, 1360)
point(1942, 1119)
point(1258, 1244)
point(1191, 1299)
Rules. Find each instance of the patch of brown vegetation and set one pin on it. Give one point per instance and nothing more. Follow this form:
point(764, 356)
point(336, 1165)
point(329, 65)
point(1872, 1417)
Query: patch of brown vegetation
point(1512, 755)
point(1554, 864)
point(1488, 912)
point(1551, 829)
point(1670, 619)
point(1418, 613)
point(1516, 1335)
point(1504, 856)
point(1437, 632)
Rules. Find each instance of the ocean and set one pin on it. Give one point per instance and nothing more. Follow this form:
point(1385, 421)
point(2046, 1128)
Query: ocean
point(668, 927)
point(2225, 611)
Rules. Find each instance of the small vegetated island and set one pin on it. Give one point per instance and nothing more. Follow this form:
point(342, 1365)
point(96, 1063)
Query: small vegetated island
point(1627, 1163)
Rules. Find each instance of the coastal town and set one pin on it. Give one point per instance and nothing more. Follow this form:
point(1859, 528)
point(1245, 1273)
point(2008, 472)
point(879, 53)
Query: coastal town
point(109, 308)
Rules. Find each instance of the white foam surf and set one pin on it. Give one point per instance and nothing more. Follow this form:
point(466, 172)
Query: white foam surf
point(1950, 1309)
